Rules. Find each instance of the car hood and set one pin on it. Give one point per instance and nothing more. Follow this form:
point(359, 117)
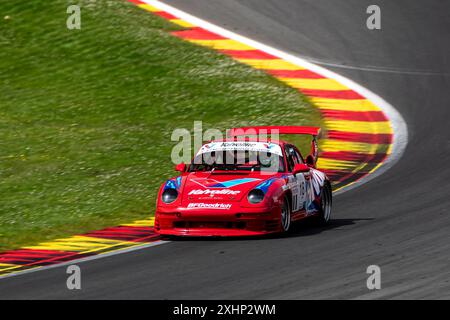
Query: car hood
point(220, 186)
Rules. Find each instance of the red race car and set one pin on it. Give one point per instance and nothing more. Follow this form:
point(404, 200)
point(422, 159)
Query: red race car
point(245, 186)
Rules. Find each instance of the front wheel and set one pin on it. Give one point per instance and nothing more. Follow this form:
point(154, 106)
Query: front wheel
point(325, 204)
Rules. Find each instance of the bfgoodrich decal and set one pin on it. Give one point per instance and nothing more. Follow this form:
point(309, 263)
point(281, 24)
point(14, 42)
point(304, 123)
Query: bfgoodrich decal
point(218, 206)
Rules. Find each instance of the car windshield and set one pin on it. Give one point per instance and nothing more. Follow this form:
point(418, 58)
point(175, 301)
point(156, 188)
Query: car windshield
point(235, 156)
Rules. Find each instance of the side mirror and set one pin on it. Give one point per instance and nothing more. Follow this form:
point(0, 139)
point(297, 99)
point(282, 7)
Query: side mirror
point(300, 168)
point(180, 167)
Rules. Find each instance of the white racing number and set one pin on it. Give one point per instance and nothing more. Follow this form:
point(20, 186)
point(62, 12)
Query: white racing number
point(299, 189)
point(301, 198)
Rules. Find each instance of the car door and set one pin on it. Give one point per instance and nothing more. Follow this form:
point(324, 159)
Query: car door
point(298, 182)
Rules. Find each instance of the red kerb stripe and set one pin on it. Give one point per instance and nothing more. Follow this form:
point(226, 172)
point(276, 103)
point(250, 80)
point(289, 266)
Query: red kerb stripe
point(197, 34)
point(353, 156)
point(304, 74)
point(136, 2)
point(30, 256)
point(248, 54)
point(360, 137)
point(331, 94)
point(165, 15)
point(125, 233)
point(354, 115)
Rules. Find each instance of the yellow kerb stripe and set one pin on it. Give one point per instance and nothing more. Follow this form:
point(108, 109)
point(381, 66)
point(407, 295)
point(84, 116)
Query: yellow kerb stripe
point(344, 104)
point(327, 164)
point(225, 44)
point(332, 164)
point(80, 244)
point(270, 64)
point(148, 7)
point(4, 266)
point(332, 145)
point(182, 23)
point(382, 127)
point(314, 84)
point(141, 223)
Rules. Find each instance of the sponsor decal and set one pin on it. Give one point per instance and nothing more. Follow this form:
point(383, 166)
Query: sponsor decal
point(218, 206)
point(305, 191)
point(214, 192)
point(241, 146)
point(211, 183)
point(318, 179)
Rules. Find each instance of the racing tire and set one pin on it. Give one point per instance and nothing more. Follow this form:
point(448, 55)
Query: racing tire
point(326, 201)
point(285, 217)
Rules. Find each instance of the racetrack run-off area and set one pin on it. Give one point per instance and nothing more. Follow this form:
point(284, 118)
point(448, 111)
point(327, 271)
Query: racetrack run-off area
point(359, 138)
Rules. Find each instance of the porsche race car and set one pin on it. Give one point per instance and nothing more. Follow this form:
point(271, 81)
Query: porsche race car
point(243, 186)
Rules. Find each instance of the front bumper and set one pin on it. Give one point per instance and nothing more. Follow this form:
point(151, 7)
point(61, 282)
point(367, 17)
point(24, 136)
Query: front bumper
point(217, 223)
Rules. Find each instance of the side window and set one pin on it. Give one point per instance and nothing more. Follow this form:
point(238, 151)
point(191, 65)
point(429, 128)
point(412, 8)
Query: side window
point(293, 157)
point(299, 156)
point(289, 159)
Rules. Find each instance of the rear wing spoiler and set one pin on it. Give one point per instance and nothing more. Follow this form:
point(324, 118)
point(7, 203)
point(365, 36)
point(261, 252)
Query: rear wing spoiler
point(267, 130)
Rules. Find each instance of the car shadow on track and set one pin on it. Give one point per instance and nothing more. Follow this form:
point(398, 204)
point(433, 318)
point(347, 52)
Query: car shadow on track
point(306, 227)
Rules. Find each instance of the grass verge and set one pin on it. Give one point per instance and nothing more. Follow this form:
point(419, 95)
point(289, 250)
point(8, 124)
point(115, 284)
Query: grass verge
point(86, 115)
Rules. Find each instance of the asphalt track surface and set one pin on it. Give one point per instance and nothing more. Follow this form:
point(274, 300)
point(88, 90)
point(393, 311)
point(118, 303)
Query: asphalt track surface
point(399, 221)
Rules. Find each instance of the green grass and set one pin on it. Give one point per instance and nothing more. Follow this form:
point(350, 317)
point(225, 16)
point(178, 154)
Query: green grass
point(86, 115)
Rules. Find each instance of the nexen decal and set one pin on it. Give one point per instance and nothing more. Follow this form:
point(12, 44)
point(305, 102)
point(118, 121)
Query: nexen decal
point(219, 206)
point(214, 192)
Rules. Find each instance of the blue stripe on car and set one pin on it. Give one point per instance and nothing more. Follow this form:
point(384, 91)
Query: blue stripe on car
point(265, 185)
point(232, 183)
point(173, 183)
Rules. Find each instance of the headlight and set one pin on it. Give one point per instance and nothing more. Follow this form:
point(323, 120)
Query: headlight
point(255, 196)
point(169, 195)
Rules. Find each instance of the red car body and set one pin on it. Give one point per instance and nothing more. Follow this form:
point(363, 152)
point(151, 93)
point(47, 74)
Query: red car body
point(222, 203)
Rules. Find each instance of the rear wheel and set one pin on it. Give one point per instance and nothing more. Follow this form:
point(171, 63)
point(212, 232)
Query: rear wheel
point(325, 204)
point(285, 215)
